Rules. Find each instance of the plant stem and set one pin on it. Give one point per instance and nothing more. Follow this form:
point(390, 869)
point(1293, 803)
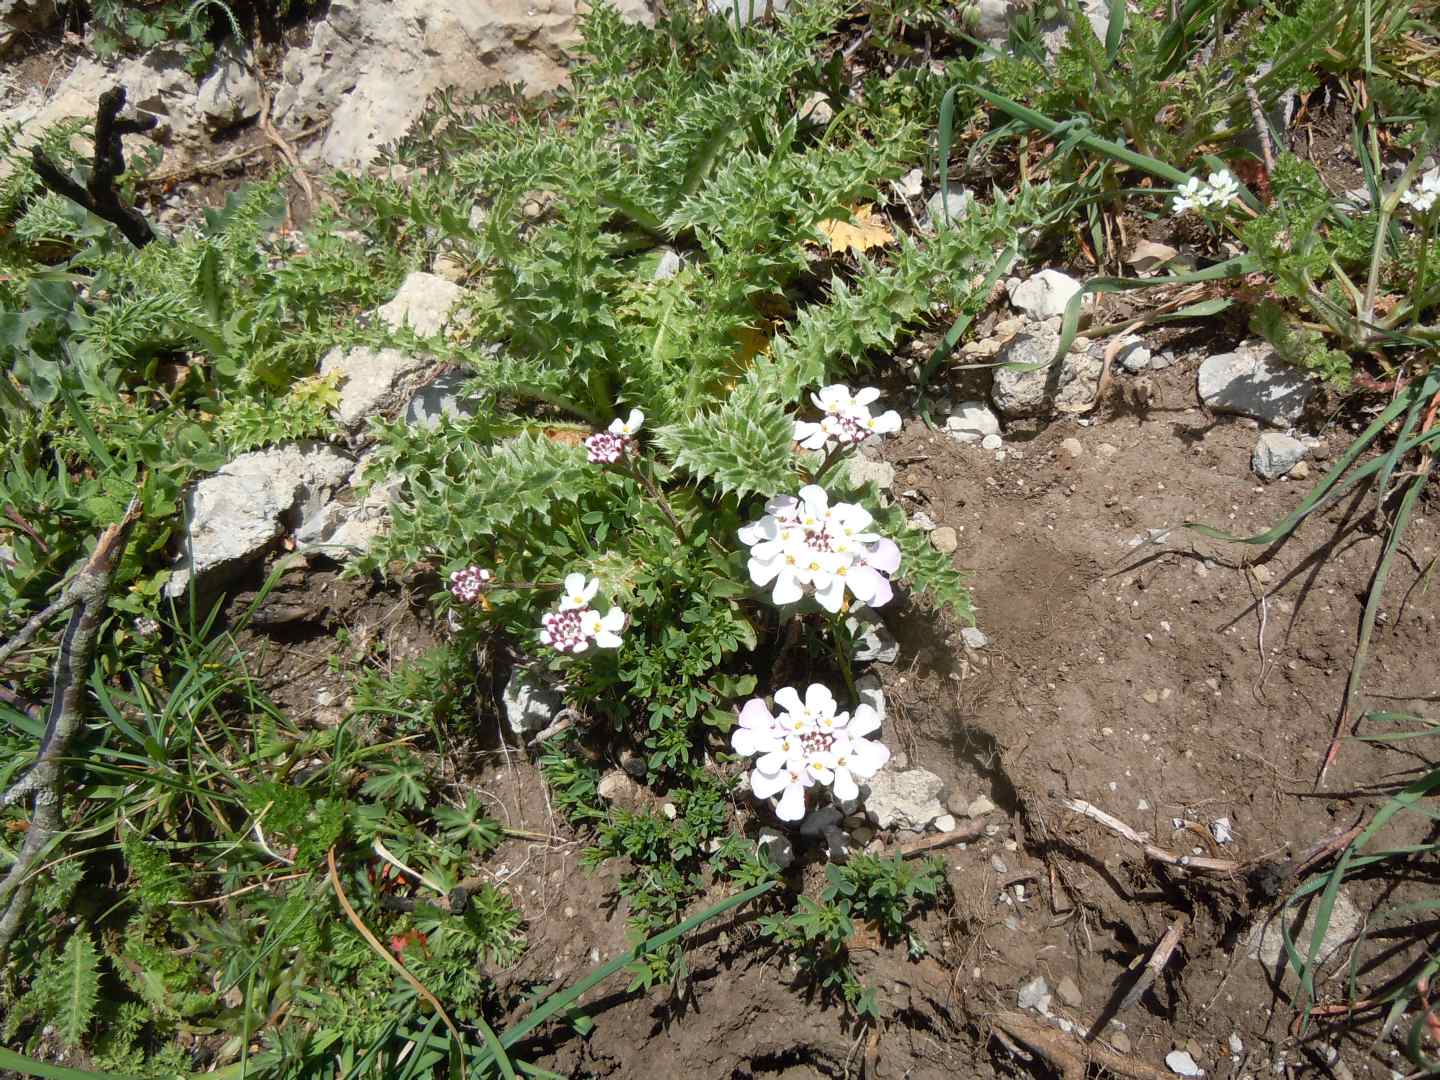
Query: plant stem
point(660, 500)
point(1387, 210)
point(841, 656)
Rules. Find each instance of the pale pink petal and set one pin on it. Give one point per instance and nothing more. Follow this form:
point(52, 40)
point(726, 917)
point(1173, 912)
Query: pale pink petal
point(787, 587)
point(863, 721)
point(884, 556)
point(765, 784)
point(830, 592)
point(792, 804)
point(866, 394)
point(867, 757)
point(756, 715)
point(763, 571)
point(844, 785)
point(819, 699)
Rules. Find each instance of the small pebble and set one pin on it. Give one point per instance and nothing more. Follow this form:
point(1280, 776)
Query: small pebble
point(1107, 450)
point(979, 807)
point(1069, 993)
point(991, 442)
point(1121, 1042)
point(944, 540)
point(998, 865)
point(1072, 447)
point(1183, 1064)
point(944, 823)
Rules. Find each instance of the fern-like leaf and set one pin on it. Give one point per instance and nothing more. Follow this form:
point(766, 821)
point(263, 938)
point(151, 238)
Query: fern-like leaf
point(78, 988)
point(744, 446)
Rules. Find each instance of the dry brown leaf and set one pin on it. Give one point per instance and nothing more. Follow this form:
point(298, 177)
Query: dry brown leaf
point(866, 230)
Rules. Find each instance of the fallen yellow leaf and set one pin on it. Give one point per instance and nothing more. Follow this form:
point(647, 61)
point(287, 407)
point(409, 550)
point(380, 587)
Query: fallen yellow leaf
point(865, 231)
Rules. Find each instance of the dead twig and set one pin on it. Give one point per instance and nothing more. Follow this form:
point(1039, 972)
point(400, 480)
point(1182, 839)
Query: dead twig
point(973, 831)
point(86, 596)
point(1198, 863)
point(99, 195)
point(1070, 1057)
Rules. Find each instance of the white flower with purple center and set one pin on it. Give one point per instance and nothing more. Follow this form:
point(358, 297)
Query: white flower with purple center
point(847, 418)
point(609, 446)
point(808, 744)
point(805, 546)
point(575, 626)
point(469, 583)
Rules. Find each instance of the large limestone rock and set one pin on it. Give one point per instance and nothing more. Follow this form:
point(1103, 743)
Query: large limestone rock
point(1017, 392)
point(373, 381)
point(904, 799)
point(372, 65)
point(236, 514)
point(1252, 381)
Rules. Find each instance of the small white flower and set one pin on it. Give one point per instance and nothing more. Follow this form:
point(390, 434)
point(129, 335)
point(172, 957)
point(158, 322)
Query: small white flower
point(789, 784)
point(1190, 196)
point(578, 592)
point(1424, 193)
point(1223, 188)
point(1195, 194)
point(629, 426)
point(604, 630)
point(846, 418)
point(806, 546)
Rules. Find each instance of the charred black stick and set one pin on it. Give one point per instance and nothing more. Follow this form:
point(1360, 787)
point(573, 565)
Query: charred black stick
point(100, 196)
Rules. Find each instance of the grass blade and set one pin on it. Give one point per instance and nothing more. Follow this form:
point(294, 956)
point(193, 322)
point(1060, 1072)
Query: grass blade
point(561, 1000)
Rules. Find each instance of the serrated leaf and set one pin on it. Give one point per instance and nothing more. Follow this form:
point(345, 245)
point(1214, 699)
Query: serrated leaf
point(80, 988)
point(207, 285)
point(742, 447)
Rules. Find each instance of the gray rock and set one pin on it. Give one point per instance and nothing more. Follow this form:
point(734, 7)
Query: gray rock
point(942, 212)
point(865, 471)
point(1162, 360)
point(1036, 391)
point(923, 521)
point(1276, 454)
point(1035, 994)
point(1133, 356)
point(1182, 1064)
point(1043, 295)
point(908, 799)
point(424, 304)
point(669, 264)
point(1069, 993)
point(1267, 943)
point(777, 845)
point(531, 703)
point(346, 526)
point(236, 514)
point(443, 396)
point(818, 822)
point(980, 806)
point(974, 638)
point(945, 540)
point(868, 688)
point(816, 109)
point(372, 66)
point(229, 95)
point(873, 640)
point(944, 823)
point(971, 421)
point(1254, 382)
point(988, 20)
point(618, 788)
point(374, 381)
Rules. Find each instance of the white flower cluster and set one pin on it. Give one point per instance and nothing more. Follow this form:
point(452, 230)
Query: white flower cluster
point(1423, 195)
point(805, 545)
point(1197, 194)
point(847, 420)
point(575, 626)
point(468, 584)
point(609, 446)
point(809, 743)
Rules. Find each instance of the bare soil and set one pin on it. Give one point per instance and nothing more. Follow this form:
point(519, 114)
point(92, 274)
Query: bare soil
point(1133, 664)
